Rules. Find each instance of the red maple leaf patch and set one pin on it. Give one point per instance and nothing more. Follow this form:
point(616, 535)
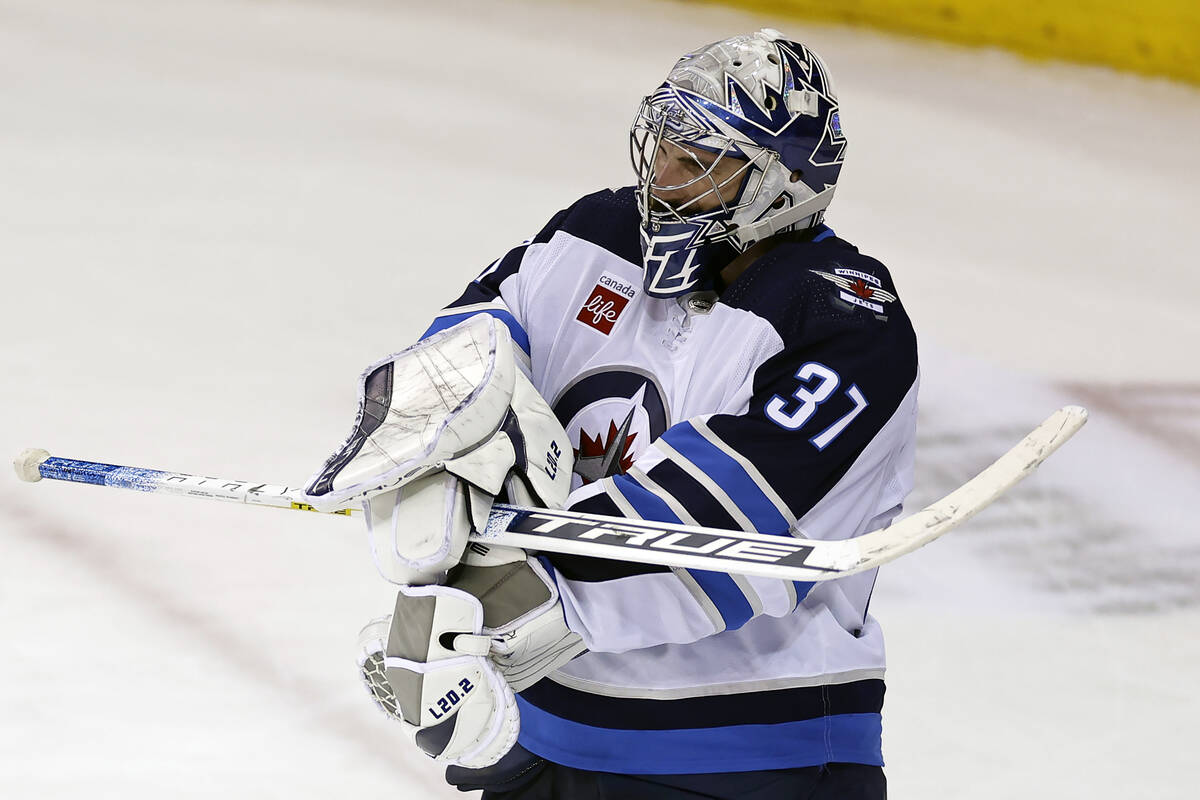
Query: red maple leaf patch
point(862, 289)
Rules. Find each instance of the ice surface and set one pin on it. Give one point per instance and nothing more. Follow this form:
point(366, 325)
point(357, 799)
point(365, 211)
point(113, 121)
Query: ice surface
point(214, 214)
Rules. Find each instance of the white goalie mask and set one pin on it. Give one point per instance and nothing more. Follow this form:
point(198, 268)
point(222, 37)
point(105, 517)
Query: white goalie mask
point(752, 125)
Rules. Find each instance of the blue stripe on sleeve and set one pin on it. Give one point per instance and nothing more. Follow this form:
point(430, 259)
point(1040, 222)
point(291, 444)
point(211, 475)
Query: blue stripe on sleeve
point(646, 503)
point(802, 590)
point(729, 475)
point(852, 738)
point(518, 333)
point(726, 595)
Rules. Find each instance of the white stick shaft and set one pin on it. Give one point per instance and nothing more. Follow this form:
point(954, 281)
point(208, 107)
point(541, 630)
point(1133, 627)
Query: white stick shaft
point(641, 541)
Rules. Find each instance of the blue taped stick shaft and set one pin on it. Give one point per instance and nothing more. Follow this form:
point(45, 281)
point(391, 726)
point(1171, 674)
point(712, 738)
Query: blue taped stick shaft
point(155, 480)
point(67, 469)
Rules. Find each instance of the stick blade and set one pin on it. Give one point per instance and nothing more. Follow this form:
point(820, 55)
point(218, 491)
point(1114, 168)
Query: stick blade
point(879, 547)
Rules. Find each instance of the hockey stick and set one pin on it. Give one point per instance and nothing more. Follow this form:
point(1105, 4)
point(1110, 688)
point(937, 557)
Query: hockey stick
point(663, 543)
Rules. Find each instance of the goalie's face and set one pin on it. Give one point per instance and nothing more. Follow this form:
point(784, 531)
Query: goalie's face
point(692, 180)
point(683, 170)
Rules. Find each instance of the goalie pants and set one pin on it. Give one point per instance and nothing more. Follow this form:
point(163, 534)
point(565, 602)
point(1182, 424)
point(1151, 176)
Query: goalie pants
point(520, 775)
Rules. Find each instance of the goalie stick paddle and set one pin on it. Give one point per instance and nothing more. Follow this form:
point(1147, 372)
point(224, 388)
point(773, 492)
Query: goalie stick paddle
point(643, 541)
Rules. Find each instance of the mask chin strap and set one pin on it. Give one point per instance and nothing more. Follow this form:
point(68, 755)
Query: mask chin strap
point(764, 228)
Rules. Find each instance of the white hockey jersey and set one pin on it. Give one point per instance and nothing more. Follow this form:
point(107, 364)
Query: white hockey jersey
point(787, 405)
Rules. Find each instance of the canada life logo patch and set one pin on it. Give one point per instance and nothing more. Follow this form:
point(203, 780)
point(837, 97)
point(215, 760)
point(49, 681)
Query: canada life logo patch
point(605, 303)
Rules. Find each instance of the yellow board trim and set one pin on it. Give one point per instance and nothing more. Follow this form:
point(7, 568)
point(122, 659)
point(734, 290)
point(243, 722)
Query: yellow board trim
point(1152, 37)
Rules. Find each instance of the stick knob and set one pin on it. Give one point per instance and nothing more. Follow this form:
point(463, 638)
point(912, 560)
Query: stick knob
point(27, 464)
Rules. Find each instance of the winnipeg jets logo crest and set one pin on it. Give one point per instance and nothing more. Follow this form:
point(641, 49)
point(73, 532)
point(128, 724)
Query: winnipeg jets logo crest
point(610, 416)
point(605, 302)
point(604, 456)
point(858, 288)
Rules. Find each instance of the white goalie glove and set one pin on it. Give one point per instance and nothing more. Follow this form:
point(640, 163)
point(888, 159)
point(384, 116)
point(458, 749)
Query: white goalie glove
point(443, 427)
point(447, 662)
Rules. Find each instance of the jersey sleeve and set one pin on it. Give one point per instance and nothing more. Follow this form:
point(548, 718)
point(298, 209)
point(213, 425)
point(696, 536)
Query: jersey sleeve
point(499, 291)
point(820, 445)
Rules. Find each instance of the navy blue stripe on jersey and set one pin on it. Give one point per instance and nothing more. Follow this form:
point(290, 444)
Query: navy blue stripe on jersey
point(706, 509)
point(726, 595)
point(519, 336)
point(742, 489)
point(508, 264)
point(476, 294)
point(846, 738)
point(593, 570)
point(502, 268)
point(599, 503)
point(608, 219)
point(749, 708)
point(585, 568)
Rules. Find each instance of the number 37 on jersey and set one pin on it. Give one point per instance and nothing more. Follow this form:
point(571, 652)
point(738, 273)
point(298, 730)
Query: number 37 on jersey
point(818, 384)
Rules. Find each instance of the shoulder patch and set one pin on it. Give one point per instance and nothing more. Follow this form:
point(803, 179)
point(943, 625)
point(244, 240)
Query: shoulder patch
point(859, 288)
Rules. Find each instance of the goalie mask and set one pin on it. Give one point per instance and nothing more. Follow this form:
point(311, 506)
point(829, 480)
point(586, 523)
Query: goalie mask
point(740, 143)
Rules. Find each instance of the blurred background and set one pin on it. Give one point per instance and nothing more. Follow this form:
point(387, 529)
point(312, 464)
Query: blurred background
point(214, 213)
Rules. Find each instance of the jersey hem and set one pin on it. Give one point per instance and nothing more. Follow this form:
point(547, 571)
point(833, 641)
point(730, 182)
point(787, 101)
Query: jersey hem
point(844, 738)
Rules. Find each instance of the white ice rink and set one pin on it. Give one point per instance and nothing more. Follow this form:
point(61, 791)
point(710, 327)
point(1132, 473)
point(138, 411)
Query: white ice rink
point(213, 214)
